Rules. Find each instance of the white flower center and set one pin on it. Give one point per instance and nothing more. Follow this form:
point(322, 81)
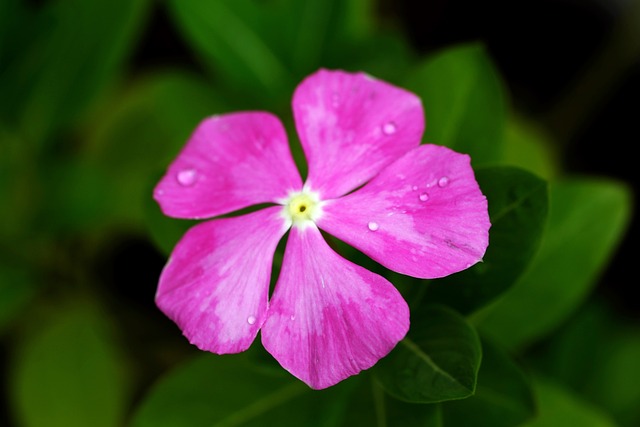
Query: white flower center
point(302, 208)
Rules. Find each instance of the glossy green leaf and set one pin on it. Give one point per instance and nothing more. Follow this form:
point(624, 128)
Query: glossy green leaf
point(504, 395)
point(78, 49)
point(558, 407)
point(587, 218)
point(229, 390)
point(437, 361)
point(236, 38)
point(315, 31)
point(69, 373)
point(503, 398)
point(518, 211)
point(463, 100)
point(263, 49)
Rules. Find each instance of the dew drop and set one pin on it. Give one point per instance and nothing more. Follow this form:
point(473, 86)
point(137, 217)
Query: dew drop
point(443, 182)
point(389, 128)
point(187, 177)
point(424, 197)
point(414, 188)
point(293, 317)
point(373, 226)
point(251, 320)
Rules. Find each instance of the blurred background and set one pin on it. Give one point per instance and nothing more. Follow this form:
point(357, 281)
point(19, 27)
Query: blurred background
point(97, 97)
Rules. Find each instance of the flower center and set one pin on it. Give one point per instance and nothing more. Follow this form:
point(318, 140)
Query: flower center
point(302, 208)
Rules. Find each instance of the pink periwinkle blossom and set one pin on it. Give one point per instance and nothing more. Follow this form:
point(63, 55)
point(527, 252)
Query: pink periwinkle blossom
point(415, 209)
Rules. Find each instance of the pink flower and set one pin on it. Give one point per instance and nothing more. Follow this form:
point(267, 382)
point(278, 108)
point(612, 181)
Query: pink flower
point(415, 209)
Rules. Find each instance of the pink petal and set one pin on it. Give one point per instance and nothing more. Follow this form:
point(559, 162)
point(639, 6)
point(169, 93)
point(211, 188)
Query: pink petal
point(215, 285)
point(230, 162)
point(329, 318)
point(351, 126)
point(423, 216)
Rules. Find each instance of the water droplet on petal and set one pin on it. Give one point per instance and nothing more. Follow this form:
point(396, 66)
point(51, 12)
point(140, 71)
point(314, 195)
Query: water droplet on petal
point(293, 317)
point(424, 197)
point(373, 226)
point(251, 320)
point(414, 188)
point(187, 177)
point(443, 182)
point(159, 192)
point(389, 128)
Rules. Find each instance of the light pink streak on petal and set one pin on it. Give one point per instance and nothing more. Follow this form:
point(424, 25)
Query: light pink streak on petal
point(215, 286)
point(423, 216)
point(329, 318)
point(351, 126)
point(230, 162)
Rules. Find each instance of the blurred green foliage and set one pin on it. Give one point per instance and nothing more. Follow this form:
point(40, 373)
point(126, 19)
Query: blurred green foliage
point(514, 341)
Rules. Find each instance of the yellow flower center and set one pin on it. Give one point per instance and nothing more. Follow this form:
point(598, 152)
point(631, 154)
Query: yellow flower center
point(302, 208)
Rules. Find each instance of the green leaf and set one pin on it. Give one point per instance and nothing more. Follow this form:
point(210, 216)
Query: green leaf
point(236, 38)
point(315, 31)
point(78, 49)
point(463, 100)
point(587, 218)
point(437, 361)
point(69, 373)
point(518, 212)
point(230, 391)
point(261, 50)
point(503, 398)
point(558, 407)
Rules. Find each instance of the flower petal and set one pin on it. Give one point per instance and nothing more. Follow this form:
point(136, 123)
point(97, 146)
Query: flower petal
point(215, 286)
point(230, 162)
point(330, 319)
point(423, 216)
point(351, 126)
